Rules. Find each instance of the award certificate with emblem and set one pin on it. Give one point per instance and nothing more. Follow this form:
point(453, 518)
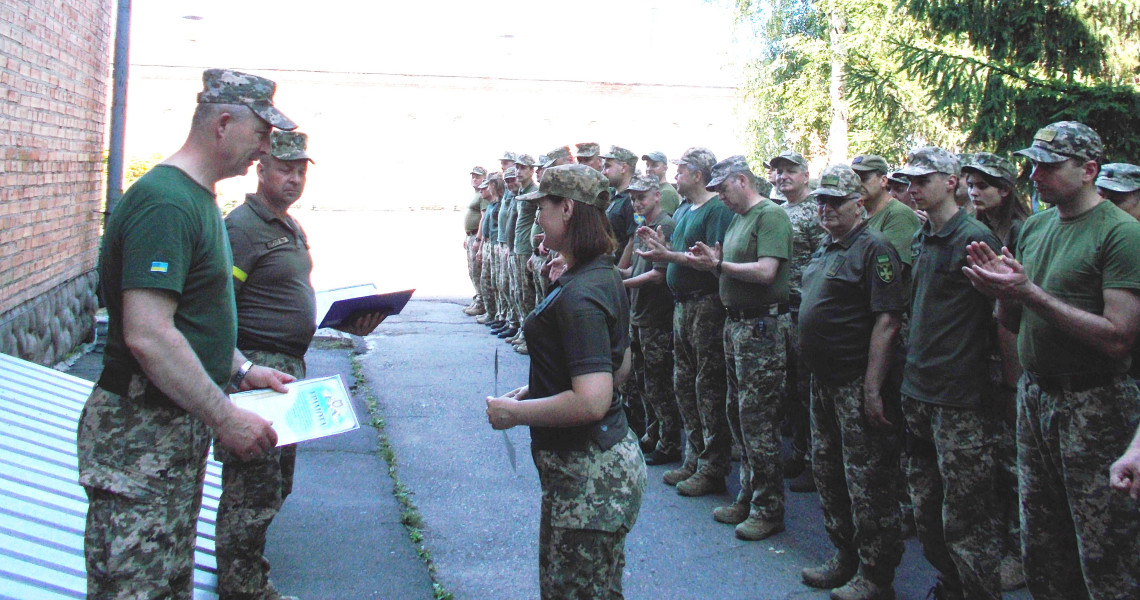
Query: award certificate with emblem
point(311, 409)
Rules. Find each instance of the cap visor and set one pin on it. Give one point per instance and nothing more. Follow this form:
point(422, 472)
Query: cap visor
point(1116, 186)
point(531, 197)
point(992, 172)
point(781, 159)
point(294, 156)
point(914, 171)
point(1041, 155)
point(274, 117)
point(828, 192)
point(716, 181)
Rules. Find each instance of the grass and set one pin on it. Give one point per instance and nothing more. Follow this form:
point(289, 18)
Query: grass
point(410, 516)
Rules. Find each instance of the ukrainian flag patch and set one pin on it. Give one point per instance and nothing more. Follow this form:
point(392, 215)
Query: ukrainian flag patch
point(158, 267)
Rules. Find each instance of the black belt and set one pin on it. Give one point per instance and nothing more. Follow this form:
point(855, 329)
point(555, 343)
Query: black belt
point(771, 310)
point(686, 296)
point(119, 383)
point(1071, 383)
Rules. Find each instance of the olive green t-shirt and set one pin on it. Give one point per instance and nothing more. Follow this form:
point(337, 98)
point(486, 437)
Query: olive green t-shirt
point(505, 234)
point(762, 231)
point(898, 223)
point(1075, 260)
point(706, 223)
point(670, 199)
point(651, 305)
point(471, 218)
point(524, 222)
point(167, 234)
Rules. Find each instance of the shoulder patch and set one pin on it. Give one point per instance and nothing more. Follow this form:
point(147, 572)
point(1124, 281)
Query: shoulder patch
point(884, 269)
point(159, 267)
point(275, 243)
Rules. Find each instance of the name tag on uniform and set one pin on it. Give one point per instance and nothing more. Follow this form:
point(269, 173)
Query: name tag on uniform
point(275, 243)
point(836, 263)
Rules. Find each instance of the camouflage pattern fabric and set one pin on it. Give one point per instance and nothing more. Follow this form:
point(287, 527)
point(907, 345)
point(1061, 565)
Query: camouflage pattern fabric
point(727, 168)
point(225, 86)
point(754, 352)
point(289, 145)
point(856, 469)
point(952, 475)
point(142, 465)
point(657, 355)
point(541, 283)
point(621, 155)
point(789, 156)
point(838, 181)
point(487, 278)
point(1060, 141)
point(699, 383)
point(797, 387)
point(252, 494)
point(474, 267)
point(1119, 177)
point(637, 413)
point(698, 158)
point(524, 291)
point(1080, 538)
point(577, 182)
point(930, 159)
point(806, 235)
point(992, 165)
point(503, 285)
point(590, 501)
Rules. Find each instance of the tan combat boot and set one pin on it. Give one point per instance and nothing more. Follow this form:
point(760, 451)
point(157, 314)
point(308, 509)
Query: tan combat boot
point(833, 573)
point(754, 528)
point(675, 476)
point(861, 588)
point(701, 484)
point(732, 514)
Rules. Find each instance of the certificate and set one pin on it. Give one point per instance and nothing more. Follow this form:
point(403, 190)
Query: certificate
point(311, 409)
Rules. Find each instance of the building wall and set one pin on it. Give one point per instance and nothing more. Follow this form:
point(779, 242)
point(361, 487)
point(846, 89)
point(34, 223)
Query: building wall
point(54, 83)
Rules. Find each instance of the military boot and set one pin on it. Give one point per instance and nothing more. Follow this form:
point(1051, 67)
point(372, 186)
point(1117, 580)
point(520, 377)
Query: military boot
point(833, 573)
point(701, 484)
point(732, 514)
point(754, 528)
point(675, 476)
point(861, 588)
point(271, 593)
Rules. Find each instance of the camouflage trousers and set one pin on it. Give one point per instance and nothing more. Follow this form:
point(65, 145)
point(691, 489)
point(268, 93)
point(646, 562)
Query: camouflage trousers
point(756, 359)
point(1080, 538)
point(473, 266)
point(699, 383)
point(639, 415)
point(590, 501)
point(487, 278)
point(252, 494)
point(855, 468)
point(541, 283)
point(142, 463)
point(657, 387)
point(505, 300)
point(523, 287)
point(797, 387)
point(952, 473)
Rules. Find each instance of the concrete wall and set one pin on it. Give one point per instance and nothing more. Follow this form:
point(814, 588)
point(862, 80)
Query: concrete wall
point(54, 79)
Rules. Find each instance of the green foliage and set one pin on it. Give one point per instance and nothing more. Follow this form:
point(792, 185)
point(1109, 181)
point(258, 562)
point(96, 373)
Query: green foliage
point(137, 166)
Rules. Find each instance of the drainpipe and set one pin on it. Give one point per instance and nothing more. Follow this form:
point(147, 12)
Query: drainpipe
point(118, 106)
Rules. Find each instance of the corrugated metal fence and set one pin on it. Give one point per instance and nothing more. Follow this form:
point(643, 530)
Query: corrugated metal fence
point(42, 508)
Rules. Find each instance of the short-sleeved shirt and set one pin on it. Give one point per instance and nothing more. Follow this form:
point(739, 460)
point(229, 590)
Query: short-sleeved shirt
point(651, 305)
point(167, 234)
point(898, 224)
point(491, 222)
point(670, 199)
point(505, 234)
point(952, 332)
point(705, 223)
point(620, 214)
point(763, 231)
point(581, 327)
point(846, 286)
point(807, 233)
point(1075, 260)
point(524, 221)
point(473, 215)
point(275, 300)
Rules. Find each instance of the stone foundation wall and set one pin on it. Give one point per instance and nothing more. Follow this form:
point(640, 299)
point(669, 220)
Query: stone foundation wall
point(46, 329)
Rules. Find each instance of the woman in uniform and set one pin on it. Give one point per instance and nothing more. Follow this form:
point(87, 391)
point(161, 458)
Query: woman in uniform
point(589, 464)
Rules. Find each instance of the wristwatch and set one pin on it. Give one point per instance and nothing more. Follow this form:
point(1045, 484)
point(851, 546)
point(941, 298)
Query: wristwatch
point(242, 371)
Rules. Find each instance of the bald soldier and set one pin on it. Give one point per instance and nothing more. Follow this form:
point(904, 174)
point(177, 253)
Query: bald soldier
point(166, 275)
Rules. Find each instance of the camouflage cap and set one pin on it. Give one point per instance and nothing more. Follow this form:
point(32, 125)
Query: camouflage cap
point(897, 177)
point(508, 155)
point(541, 162)
point(511, 173)
point(643, 183)
point(727, 168)
point(289, 145)
point(655, 157)
point(701, 158)
point(838, 181)
point(992, 165)
point(577, 182)
point(790, 156)
point(1064, 140)
point(525, 160)
point(223, 86)
point(587, 150)
point(870, 162)
point(621, 154)
point(930, 159)
point(556, 155)
point(480, 171)
point(496, 176)
point(1119, 177)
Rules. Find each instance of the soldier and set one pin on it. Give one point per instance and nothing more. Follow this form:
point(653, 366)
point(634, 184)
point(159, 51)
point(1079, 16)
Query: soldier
point(619, 167)
point(752, 267)
point(166, 275)
point(471, 222)
point(897, 187)
point(948, 398)
point(274, 299)
point(657, 165)
point(885, 214)
point(853, 297)
point(493, 189)
point(539, 263)
point(1071, 296)
point(505, 285)
point(507, 160)
point(698, 327)
point(1120, 184)
point(522, 286)
point(790, 171)
point(589, 154)
point(651, 327)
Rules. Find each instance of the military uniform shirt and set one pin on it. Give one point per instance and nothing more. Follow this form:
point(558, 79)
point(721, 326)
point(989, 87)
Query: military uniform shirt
point(761, 232)
point(1075, 260)
point(620, 215)
point(472, 217)
point(581, 327)
point(504, 233)
point(846, 285)
point(670, 199)
point(491, 222)
point(167, 234)
point(706, 223)
point(524, 221)
point(272, 267)
point(951, 323)
point(898, 224)
point(651, 305)
point(806, 236)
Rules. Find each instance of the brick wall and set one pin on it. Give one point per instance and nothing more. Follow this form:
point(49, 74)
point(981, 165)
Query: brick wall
point(54, 83)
